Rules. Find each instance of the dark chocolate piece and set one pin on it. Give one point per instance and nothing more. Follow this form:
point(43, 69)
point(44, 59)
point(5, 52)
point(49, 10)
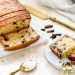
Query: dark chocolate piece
point(6, 45)
point(43, 29)
point(59, 34)
point(14, 23)
point(59, 50)
point(17, 27)
point(22, 36)
point(50, 31)
point(22, 42)
point(6, 39)
point(48, 26)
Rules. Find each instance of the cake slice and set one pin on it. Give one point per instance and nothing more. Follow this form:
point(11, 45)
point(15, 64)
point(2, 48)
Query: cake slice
point(19, 39)
point(63, 47)
point(71, 57)
point(13, 16)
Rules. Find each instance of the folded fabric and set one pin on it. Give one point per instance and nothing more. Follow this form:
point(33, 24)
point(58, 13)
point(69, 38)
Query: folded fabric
point(63, 7)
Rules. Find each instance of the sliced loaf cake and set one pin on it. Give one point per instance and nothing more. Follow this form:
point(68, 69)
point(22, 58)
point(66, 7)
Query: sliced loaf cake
point(63, 47)
point(19, 39)
point(12, 16)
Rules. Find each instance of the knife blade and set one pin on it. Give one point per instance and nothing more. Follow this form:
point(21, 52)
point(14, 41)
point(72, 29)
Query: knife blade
point(44, 16)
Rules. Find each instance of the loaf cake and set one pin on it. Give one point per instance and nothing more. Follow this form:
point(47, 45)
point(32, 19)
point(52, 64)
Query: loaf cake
point(63, 47)
point(19, 39)
point(12, 16)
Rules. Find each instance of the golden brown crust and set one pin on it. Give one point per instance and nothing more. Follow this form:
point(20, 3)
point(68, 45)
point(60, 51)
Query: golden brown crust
point(55, 52)
point(22, 45)
point(15, 18)
point(9, 16)
point(8, 6)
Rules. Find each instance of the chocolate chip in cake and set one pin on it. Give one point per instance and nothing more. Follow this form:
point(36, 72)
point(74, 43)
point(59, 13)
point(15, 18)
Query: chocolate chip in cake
point(64, 48)
point(55, 43)
point(17, 27)
point(43, 29)
point(14, 23)
point(59, 50)
point(48, 26)
point(50, 31)
point(6, 39)
point(54, 47)
point(22, 36)
point(6, 45)
point(32, 37)
point(3, 35)
point(53, 36)
point(23, 42)
point(23, 20)
point(26, 31)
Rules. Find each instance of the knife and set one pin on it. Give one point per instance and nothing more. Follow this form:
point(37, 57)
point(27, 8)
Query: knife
point(44, 16)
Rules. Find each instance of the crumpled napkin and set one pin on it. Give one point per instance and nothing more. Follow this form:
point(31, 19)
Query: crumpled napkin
point(62, 7)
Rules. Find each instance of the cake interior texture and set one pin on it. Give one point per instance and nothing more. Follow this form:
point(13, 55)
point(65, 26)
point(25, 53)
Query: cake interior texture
point(64, 46)
point(19, 39)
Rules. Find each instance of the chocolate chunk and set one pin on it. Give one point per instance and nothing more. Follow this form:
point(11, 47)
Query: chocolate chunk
point(43, 29)
point(59, 50)
point(54, 47)
point(26, 31)
point(64, 48)
point(50, 31)
point(32, 37)
point(6, 39)
point(22, 36)
point(14, 23)
point(59, 34)
point(22, 42)
point(53, 36)
point(3, 35)
point(23, 20)
point(17, 27)
point(6, 45)
point(48, 26)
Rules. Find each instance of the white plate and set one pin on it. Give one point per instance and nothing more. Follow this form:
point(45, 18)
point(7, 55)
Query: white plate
point(53, 59)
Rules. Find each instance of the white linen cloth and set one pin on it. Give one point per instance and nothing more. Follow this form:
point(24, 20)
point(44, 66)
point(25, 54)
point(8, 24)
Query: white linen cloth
point(63, 7)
